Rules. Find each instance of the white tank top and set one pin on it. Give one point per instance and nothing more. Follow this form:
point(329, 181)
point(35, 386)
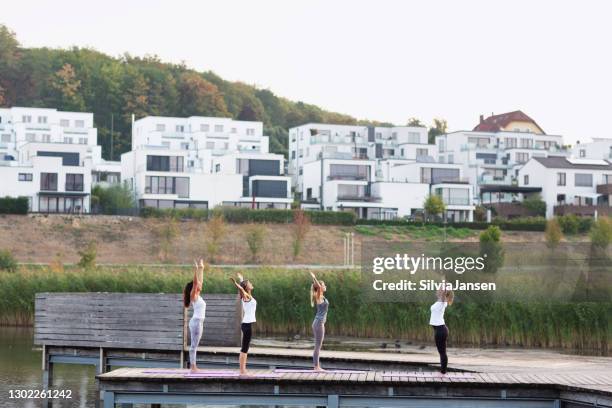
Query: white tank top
point(248, 311)
point(199, 308)
point(437, 314)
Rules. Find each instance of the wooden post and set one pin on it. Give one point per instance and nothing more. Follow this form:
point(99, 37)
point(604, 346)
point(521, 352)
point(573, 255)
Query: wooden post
point(47, 379)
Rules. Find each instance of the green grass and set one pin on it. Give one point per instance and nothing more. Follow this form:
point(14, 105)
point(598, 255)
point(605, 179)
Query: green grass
point(284, 308)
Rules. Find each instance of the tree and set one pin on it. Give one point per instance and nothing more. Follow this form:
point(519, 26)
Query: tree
point(255, 237)
point(88, 256)
point(491, 248)
point(67, 89)
point(7, 261)
point(197, 96)
point(433, 206)
point(135, 98)
point(439, 128)
point(301, 226)
point(9, 62)
point(415, 122)
point(553, 233)
point(216, 228)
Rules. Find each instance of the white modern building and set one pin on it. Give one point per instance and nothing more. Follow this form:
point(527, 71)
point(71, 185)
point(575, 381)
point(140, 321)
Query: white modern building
point(599, 148)
point(570, 185)
point(48, 156)
point(203, 162)
point(495, 150)
point(375, 172)
point(308, 142)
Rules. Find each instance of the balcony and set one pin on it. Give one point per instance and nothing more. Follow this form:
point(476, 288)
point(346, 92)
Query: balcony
point(363, 198)
point(510, 210)
point(456, 201)
point(582, 210)
point(605, 189)
point(347, 177)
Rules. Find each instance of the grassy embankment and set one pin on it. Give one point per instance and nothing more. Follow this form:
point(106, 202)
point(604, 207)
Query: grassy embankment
point(283, 307)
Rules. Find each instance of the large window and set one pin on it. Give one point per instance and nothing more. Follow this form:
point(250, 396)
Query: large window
point(510, 142)
point(48, 181)
point(68, 158)
point(60, 204)
point(454, 196)
point(522, 157)
point(165, 163)
point(479, 141)
point(348, 172)
point(438, 175)
point(351, 191)
point(583, 180)
point(421, 153)
point(527, 143)
point(413, 137)
point(74, 182)
point(167, 185)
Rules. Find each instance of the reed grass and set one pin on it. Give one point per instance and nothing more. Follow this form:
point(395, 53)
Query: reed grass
point(284, 307)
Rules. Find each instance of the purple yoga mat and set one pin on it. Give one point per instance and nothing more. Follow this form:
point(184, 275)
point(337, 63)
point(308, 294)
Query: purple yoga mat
point(309, 371)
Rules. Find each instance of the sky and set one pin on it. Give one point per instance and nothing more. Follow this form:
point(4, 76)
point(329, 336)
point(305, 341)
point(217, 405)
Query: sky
point(386, 60)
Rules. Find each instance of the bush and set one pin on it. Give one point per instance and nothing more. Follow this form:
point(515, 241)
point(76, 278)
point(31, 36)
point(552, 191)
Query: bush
point(571, 224)
point(553, 233)
point(112, 200)
point(88, 256)
point(491, 234)
point(517, 224)
point(255, 237)
point(301, 226)
point(234, 215)
point(433, 206)
point(480, 214)
point(491, 247)
point(535, 205)
point(7, 261)
point(601, 232)
point(216, 227)
point(166, 234)
point(12, 205)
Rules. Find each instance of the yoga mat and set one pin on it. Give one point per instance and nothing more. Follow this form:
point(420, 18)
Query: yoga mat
point(232, 375)
point(309, 371)
point(184, 371)
point(426, 374)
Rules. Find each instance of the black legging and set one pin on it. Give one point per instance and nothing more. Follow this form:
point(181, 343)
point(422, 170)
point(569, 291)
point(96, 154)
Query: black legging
point(246, 337)
point(440, 335)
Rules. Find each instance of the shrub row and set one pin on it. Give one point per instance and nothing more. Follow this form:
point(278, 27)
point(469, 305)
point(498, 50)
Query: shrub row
point(10, 205)
point(247, 215)
point(519, 224)
point(571, 224)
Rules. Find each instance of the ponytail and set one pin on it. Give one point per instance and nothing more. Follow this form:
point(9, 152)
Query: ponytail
point(314, 294)
point(187, 294)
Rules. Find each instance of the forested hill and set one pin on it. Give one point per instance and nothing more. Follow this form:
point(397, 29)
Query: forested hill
point(82, 79)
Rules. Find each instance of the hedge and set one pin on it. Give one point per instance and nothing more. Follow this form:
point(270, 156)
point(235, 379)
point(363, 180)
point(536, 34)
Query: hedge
point(11, 205)
point(246, 215)
point(520, 224)
point(275, 216)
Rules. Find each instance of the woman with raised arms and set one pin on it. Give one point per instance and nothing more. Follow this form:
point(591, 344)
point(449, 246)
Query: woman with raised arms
point(445, 298)
point(317, 298)
point(191, 297)
point(249, 306)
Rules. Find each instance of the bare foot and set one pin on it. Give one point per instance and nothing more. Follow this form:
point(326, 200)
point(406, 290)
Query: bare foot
point(318, 368)
point(245, 373)
point(194, 370)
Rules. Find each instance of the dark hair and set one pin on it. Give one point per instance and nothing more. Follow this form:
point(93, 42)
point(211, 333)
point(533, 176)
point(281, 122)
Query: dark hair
point(244, 284)
point(187, 294)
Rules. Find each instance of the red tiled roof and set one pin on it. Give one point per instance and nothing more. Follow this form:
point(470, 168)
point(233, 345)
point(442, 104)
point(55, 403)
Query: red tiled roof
point(495, 123)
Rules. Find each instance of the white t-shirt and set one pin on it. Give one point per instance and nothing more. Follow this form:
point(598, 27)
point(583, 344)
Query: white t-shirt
point(437, 313)
point(199, 308)
point(248, 311)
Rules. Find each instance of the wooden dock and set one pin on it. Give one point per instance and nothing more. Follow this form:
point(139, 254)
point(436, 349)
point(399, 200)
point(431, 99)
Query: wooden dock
point(353, 388)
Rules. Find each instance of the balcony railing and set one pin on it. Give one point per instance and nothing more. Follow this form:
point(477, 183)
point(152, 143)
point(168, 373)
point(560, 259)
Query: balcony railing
point(456, 201)
point(364, 198)
point(604, 188)
point(347, 177)
point(583, 210)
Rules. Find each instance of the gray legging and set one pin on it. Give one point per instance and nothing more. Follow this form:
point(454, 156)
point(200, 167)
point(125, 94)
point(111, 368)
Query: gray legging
point(196, 327)
point(318, 328)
